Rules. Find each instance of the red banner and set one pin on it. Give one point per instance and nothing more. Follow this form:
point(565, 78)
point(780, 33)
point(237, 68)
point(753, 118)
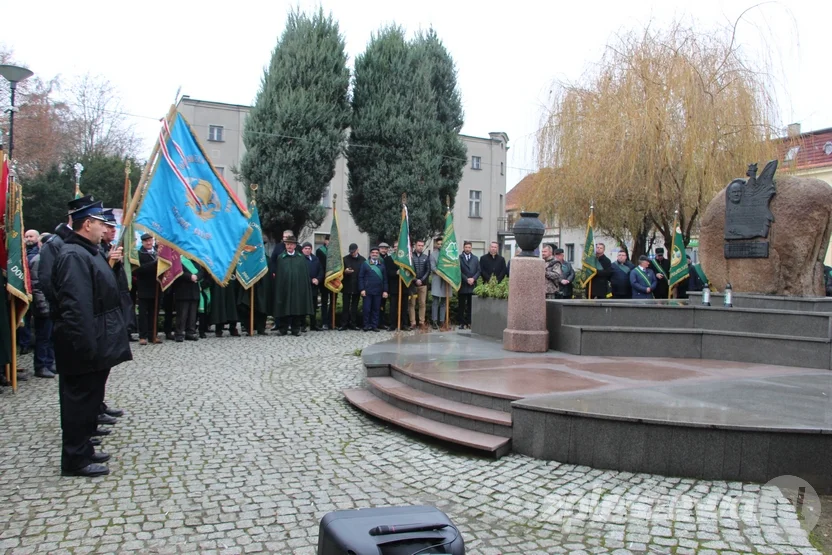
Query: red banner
point(169, 267)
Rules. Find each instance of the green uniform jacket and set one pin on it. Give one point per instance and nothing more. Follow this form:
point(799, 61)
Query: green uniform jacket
point(292, 288)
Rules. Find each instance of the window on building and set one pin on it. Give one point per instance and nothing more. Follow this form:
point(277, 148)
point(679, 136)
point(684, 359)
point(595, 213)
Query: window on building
point(570, 252)
point(326, 199)
point(476, 162)
point(502, 170)
point(220, 170)
point(474, 204)
point(215, 133)
point(792, 153)
point(478, 248)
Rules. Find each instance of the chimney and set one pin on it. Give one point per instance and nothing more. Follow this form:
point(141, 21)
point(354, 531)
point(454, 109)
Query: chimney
point(793, 130)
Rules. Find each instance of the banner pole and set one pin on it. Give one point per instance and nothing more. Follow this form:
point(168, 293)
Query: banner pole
point(447, 307)
point(398, 308)
point(251, 313)
point(589, 294)
point(14, 345)
point(155, 327)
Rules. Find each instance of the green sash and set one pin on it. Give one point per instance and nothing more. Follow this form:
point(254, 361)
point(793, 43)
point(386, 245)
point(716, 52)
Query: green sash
point(322, 248)
point(623, 267)
point(188, 265)
point(640, 272)
point(376, 270)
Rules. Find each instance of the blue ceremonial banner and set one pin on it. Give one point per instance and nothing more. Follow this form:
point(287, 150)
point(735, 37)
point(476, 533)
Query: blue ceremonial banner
point(253, 265)
point(190, 208)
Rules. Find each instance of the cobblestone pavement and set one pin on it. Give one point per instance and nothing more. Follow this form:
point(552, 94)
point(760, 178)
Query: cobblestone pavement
point(241, 445)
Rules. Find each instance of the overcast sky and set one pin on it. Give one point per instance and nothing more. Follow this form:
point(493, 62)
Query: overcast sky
point(508, 54)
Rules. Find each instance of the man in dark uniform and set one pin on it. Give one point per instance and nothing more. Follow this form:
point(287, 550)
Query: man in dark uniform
point(398, 303)
point(261, 303)
point(600, 283)
point(661, 276)
point(293, 290)
point(118, 267)
point(372, 282)
point(316, 278)
point(147, 289)
point(186, 293)
point(90, 336)
point(326, 294)
point(224, 307)
point(350, 292)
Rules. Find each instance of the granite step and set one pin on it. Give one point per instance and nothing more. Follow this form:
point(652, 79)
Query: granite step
point(369, 403)
point(403, 392)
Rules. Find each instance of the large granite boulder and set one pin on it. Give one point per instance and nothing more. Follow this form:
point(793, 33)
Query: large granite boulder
point(799, 237)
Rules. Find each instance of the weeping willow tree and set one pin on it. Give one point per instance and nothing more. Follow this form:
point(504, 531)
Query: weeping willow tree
point(663, 122)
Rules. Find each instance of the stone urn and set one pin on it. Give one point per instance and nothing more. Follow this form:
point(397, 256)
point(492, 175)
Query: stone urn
point(528, 232)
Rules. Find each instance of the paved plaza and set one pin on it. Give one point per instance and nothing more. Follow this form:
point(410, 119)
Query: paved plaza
point(241, 445)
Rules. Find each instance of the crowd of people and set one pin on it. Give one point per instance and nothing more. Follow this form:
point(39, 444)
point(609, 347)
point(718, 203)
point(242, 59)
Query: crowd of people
point(618, 280)
point(85, 309)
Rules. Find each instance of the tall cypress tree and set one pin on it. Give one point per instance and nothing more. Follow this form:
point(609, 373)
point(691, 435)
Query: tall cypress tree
point(400, 134)
point(449, 114)
point(297, 127)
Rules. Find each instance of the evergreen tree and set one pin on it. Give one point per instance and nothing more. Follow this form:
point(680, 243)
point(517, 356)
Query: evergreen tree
point(296, 129)
point(45, 196)
point(449, 113)
point(406, 118)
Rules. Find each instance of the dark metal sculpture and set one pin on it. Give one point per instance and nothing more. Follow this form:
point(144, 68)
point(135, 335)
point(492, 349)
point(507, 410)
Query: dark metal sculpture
point(528, 232)
point(747, 213)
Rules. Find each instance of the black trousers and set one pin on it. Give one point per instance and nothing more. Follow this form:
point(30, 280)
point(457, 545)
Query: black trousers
point(245, 320)
point(313, 318)
point(463, 313)
point(349, 313)
point(146, 318)
point(81, 397)
point(186, 318)
point(327, 306)
point(168, 306)
point(295, 321)
point(396, 305)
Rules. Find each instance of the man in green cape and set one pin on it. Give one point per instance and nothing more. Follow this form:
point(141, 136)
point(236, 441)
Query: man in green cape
point(292, 289)
point(224, 307)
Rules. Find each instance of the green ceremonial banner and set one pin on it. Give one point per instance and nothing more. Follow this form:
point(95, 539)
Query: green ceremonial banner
point(252, 264)
point(334, 276)
point(19, 284)
point(678, 259)
point(447, 267)
point(404, 256)
point(589, 262)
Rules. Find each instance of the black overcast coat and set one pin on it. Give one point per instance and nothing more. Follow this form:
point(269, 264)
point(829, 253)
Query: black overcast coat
point(90, 332)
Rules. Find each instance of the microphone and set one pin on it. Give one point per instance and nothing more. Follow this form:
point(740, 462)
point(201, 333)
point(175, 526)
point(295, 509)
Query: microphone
point(405, 528)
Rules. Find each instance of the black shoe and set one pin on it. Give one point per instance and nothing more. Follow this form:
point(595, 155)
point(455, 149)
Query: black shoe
point(100, 457)
point(118, 413)
point(324, 328)
point(179, 339)
point(88, 471)
point(101, 432)
point(375, 330)
point(406, 328)
point(283, 332)
point(202, 335)
point(170, 336)
point(434, 325)
point(235, 333)
point(191, 338)
point(44, 373)
point(95, 441)
point(106, 419)
point(316, 328)
point(262, 332)
point(22, 376)
point(275, 328)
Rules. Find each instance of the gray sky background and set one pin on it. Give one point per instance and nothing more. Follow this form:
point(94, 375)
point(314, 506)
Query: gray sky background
point(508, 54)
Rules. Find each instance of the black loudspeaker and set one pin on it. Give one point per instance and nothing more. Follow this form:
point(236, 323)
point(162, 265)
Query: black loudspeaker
point(389, 531)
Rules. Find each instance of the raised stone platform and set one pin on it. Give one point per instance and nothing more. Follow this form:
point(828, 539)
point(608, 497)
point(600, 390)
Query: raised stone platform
point(684, 417)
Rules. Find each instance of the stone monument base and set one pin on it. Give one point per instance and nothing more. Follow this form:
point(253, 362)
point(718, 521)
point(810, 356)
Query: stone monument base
point(526, 341)
point(526, 331)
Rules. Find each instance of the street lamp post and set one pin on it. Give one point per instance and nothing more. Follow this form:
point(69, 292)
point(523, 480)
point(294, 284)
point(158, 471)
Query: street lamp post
point(14, 75)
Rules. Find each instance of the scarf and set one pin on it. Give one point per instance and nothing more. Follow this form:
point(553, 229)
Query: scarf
point(623, 267)
point(644, 276)
point(188, 265)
